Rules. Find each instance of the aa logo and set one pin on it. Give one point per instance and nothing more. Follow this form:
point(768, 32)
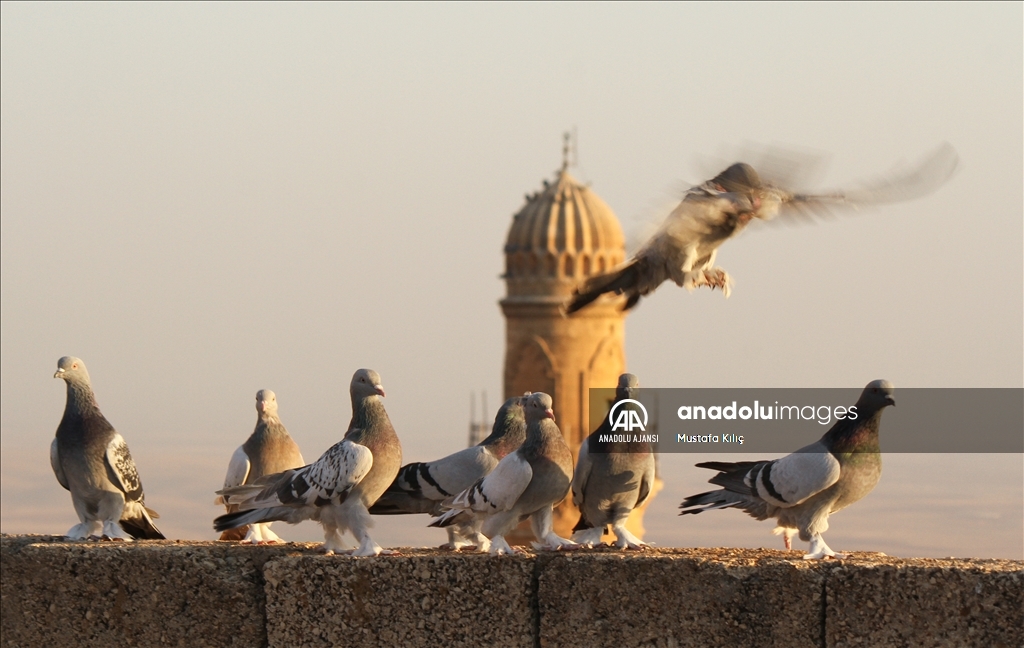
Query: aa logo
point(628, 419)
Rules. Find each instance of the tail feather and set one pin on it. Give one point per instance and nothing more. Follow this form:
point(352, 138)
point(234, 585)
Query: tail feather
point(720, 499)
point(141, 526)
point(256, 516)
point(398, 502)
point(452, 517)
point(625, 280)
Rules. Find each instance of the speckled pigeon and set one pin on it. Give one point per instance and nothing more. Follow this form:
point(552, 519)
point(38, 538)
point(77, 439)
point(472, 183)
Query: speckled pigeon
point(802, 489)
point(91, 460)
point(336, 489)
point(422, 487)
point(685, 246)
point(268, 450)
point(525, 484)
point(612, 478)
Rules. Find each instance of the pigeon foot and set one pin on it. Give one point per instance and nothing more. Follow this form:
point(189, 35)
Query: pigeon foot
point(500, 546)
point(819, 550)
point(588, 538)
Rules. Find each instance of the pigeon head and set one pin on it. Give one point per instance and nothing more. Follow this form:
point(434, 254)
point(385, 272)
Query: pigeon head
point(72, 370)
point(876, 395)
point(266, 402)
point(628, 387)
point(538, 407)
point(365, 382)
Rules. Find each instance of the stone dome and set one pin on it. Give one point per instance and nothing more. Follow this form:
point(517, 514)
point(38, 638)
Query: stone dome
point(564, 233)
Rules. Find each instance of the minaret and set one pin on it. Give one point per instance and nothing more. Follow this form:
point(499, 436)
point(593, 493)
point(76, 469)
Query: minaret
point(564, 234)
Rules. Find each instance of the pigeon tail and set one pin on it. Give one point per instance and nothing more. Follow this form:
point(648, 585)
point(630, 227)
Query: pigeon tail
point(141, 526)
point(624, 280)
point(721, 499)
point(256, 516)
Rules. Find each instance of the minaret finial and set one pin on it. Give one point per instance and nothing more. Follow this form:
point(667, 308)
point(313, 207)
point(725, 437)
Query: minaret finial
point(566, 137)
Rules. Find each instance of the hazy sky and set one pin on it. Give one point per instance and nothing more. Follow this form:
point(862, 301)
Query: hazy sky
point(202, 200)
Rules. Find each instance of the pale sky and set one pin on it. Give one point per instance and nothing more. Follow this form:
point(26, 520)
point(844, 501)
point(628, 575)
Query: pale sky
point(203, 200)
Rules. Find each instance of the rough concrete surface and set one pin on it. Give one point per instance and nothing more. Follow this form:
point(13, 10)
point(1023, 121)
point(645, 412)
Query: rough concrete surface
point(681, 597)
point(158, 593)
point(419, 599)
point(146, 593)
point(925, 602)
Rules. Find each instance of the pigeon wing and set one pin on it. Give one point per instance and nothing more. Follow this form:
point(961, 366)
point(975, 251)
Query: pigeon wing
point(582, 474)
point(238, 471)
point(329, 479)
point(794, 478)
point(500, 490)
point(121, 469)
point(58, 470)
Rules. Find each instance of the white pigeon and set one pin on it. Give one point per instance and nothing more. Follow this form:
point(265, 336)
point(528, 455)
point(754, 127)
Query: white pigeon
point(525, 484)
point(336, 489)
point(422, 487)
point(91, 460)
point(268, 450)
point(612, 478)
point(801, 490)
point(686, 245)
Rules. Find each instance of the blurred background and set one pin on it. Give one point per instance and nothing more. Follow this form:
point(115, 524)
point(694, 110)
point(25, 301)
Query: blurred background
point(201, 201)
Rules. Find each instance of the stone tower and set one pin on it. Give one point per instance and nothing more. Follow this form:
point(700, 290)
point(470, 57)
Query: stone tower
point(564, 234)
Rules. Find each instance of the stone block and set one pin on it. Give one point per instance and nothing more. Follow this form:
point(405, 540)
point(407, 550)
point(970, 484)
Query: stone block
point(421, 598)
point(925, 602)
point(146, 593)
point(680, 597)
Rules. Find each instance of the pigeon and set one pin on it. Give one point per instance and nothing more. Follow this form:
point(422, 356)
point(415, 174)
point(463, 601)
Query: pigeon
point(336, 489)
point(686, 245)
point(91, 460)
point(612, 478)
point(802, 489)
point(422, 487)
point(268, 450)
point(525, 484)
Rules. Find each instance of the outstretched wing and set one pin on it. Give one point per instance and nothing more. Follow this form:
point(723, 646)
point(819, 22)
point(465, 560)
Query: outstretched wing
point(121, 469)
point(899, 185)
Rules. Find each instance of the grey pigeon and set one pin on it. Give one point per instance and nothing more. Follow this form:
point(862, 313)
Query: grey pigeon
point(91, 460)
point(268, 450)
point(686, 244)
point(422, 487)
point(336, 489)
point(525, 484)
point(612, 478)
point(802, 489)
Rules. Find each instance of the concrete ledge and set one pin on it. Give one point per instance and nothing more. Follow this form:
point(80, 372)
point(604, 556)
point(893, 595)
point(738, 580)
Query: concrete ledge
point(683, 597)
point(218, 594)
point(418, 599)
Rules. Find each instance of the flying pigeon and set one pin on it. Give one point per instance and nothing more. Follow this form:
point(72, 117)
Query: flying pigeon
point(91, 460)
point(525, 484)
point(612, 478)
point(422, 487)
point(336, 489)
point(802, 489)
point(268, 450)
point(686, 244)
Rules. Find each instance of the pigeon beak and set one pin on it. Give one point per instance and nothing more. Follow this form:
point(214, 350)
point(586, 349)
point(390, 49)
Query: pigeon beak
point(890, 400)
point(549, 413)
point(59, 373)
point(378, 389)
